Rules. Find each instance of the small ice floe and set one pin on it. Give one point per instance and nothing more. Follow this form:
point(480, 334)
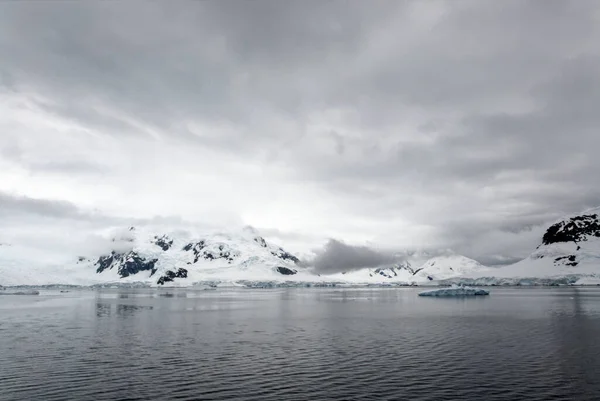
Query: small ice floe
point(455, 291)
point(19, 292)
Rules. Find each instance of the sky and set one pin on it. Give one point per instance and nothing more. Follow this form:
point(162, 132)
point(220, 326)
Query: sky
point(432, 125)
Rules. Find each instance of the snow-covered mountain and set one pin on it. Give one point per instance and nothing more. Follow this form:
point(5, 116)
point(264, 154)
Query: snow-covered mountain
point(183, 258)
point(433, 270)
point(569, 250)
point(141, 255)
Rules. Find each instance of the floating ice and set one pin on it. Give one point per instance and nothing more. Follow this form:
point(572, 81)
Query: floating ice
point(455, 291)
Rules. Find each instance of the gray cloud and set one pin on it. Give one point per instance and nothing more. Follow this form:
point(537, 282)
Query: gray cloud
point(14, 204)
point(411, 124)
point(337, 256)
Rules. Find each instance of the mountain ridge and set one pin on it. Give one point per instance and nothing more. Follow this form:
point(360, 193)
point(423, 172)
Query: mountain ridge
point(569, 247)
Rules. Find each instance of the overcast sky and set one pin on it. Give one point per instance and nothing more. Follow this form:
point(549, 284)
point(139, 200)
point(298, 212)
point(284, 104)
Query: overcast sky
point(459, 124)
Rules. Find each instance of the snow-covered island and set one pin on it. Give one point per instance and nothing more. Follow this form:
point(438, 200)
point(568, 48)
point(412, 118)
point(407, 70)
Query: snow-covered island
point(568, 254)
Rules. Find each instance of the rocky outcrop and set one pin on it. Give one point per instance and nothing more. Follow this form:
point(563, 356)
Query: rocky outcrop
point(126, 264)
point(286, 271)
point(261, 241)
point(391, 272)
point(158, 252)
point(283, 255)
point(196, 248)
point(386, 272)
point(171, 275)
point(569, 260)
point(408, 267)
point(575, 229)
point(163, 242)
point(213, 252)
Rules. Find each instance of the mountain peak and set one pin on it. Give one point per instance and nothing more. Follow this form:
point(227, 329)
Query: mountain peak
point(573, 229)
point(160, 258)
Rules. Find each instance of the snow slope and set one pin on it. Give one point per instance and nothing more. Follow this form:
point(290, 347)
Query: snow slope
point(140, 255)
point(569, 253)
point(570, 248)
point(433, 270)
point(183, 258)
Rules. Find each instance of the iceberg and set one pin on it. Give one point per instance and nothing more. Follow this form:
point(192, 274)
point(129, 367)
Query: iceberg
point(455, 291)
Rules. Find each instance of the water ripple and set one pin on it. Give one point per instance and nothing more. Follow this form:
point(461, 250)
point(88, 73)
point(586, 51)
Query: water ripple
point(384, 344)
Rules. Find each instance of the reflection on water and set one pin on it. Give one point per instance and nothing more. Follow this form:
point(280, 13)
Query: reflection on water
point(300, 344)
point(103, 310)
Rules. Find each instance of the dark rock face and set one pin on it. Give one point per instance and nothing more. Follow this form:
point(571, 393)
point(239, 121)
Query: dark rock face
point(382, 272)
point(170, 275)
point(569, 260)
point(575, 229)
point(200, 251)
point(261, 241)
point(407, 266)
point(283, 255)
point(82, 259)
point(391, 272)
point(223, 253)
point(196, 248)
point(106, 262)
point(163, 242)
point(286, 271)
point(127, 264)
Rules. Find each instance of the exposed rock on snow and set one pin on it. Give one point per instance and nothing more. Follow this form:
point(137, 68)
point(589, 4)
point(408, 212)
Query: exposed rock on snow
point(164, 242)
point(261, 241)
point(126, 264)
point(286, 271)
point(570, 247)
point(170, 275)
point(575, 229)
point(283, 255)
point(202, 250)
point(569, 251)
point(186, 258)
point(568, 254)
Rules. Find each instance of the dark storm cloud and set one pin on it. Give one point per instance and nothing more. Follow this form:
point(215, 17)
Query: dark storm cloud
point(206, 59)
point(337, 256)
point(477, 118)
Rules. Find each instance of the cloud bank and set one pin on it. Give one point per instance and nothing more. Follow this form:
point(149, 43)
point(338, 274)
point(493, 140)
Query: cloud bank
point(410, 125)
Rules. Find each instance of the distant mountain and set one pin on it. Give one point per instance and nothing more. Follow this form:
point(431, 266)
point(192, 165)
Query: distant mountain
point(178, 259)
point(569, 249)
point(140, 255)
point(433, 270)
point(183, 259)
point(569, 252)
point(569, 246)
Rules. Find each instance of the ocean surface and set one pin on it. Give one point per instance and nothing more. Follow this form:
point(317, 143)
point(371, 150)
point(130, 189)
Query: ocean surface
point(300, 344)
